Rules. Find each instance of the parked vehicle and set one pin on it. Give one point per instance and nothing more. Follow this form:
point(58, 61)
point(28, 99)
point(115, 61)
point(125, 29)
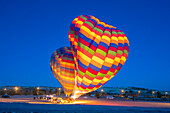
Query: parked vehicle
point(5, 96)
point(110, 97)
point(60, 100)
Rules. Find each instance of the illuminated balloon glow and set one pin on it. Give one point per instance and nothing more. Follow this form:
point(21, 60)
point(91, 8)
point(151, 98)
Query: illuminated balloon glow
point(99, 50)
point(63, 68)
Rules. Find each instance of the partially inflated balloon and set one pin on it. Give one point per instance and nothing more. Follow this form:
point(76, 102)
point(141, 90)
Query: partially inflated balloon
point(63, 68)
point(99, 50)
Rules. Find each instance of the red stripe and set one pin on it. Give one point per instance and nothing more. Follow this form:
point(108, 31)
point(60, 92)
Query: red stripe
point(106, 34)
point(91, 22)
point(84, 52)
point(118, 55)
point(90, 87)
point(103, 71)
point(93, 47)
point(81, 19)
point(81, 69)
point(82, 87)
point(92, 71)
point(107, 76)
point(110, 56)
point(99, 56)
point(120, 48)
point(102, 48)
point(112, 48)
point(99, 78)
point(99, 27)
point(88, 77)
point(112, 70)
point(88, 26)
point(86, 16)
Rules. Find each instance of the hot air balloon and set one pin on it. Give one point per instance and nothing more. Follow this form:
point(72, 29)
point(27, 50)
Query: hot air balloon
point(99, 50)
point(63, 68)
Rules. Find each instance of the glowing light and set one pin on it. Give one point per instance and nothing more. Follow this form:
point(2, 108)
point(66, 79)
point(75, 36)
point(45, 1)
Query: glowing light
point(153, 92)
point(122, 91)
point(38, 88)
point(59, 89)
point(139, 91)
point(5, 89)
point(166, 93)
point(16, 88)
point(102, 90)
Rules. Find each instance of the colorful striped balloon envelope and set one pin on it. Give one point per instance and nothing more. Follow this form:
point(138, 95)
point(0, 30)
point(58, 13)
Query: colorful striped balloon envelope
point(99, 50)
point(63, 68)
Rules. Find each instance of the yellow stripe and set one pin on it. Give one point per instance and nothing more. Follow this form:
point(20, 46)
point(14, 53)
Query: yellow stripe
point(79, 22)
point(93, 34)
point(114, 38)
point(79, 79)
point(86, 58)
point(123, 58)
point(109, 60)
point(117, 59)
point(97, 59)
point(75, 19)
point(105, 79)
point(98, 37)
point(86, 29)
point(96, 80)
point(87, 80)
point(106, 38)
point(121, 38)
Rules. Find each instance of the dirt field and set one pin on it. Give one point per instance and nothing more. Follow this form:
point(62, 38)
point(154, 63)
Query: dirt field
point(82, 105)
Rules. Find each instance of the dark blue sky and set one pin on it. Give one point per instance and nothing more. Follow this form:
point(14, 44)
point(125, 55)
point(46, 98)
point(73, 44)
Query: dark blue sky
point(31, 30)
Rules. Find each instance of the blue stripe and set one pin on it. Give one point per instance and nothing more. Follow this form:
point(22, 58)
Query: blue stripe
point(66, 68)
point(113, 28)
point(113, 45)
point(81, 64)
point(126, 44)
point(84, 37)
point(101, 26)
point(91, 85)
point(72, 25)
point(78, 84)
point(105, 68)
point(121, 45)
point(93, 21)
point(120, 65)
point(76, 29)
point(108, 28)
point(84, 85)
point(104, 45)
point(100, 84)
point(94, 67)
point(114, 66)
point(94, 43)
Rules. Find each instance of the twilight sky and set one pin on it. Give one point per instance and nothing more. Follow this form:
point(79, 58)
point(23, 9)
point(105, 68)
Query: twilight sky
point(31, 30)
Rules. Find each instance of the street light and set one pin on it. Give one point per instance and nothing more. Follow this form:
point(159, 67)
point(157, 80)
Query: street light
point(122, 91)
point(166, 93)
point(5, 89)
point(102, 90)
point(16, 89)
point(139, 92)
point(59, 90)
point(38, 88)
point(153, 92)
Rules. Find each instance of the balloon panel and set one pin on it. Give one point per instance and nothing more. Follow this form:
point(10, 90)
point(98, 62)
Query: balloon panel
point(99, 50)
point(63, 68)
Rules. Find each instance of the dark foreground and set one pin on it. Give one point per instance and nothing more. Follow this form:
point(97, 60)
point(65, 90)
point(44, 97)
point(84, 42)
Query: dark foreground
point(26, 107)
point(89, 105)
